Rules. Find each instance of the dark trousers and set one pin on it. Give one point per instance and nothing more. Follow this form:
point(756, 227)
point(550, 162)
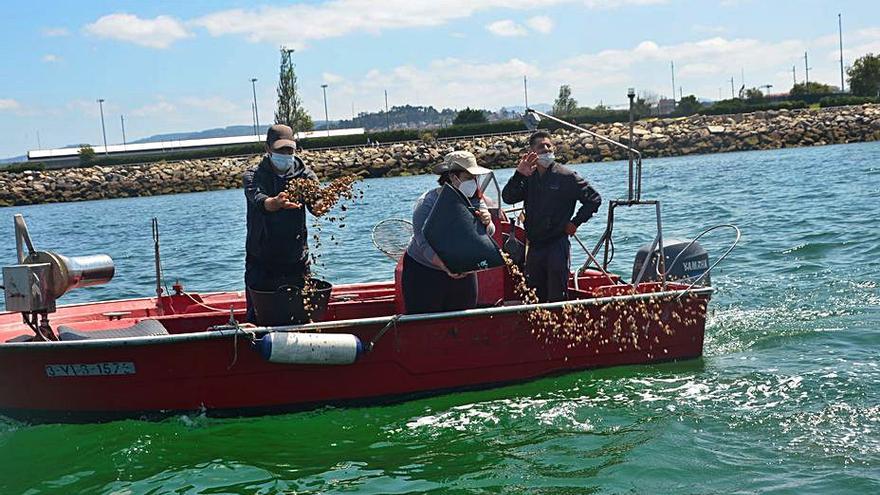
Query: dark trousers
point(547, 269)
point(426, 290)
point(265, 277)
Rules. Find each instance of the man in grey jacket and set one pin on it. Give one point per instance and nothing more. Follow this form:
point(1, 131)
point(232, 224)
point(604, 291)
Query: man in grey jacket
point(550, 192)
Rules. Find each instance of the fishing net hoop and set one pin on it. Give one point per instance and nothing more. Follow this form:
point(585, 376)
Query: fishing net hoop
point(392, 236)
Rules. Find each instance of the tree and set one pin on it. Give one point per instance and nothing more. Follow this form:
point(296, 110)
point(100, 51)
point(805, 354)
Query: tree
point(564, 104)
point(470, 116)
point(810, 88)
point(290, 111)
point(688, 105)
point(864, 76)
point(86, 154)
point(754, 94)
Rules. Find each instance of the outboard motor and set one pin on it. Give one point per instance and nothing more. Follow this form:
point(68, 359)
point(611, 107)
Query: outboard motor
point(690, 262)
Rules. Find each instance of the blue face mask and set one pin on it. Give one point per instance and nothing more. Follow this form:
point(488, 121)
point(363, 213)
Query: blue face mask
point(282, 162)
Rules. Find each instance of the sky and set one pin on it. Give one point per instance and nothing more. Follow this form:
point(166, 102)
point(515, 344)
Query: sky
point(172, 66)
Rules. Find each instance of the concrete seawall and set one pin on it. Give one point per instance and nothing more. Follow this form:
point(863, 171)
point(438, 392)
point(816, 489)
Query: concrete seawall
point(655, 137)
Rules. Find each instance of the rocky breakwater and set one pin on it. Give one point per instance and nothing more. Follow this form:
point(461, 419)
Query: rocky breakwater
point(763, 130)
point(654, 137)
point(88, 183)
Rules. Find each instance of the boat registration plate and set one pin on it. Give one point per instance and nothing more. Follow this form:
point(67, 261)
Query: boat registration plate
point(91, 369)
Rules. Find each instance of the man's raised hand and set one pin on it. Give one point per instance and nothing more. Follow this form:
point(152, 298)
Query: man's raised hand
point(527, 163)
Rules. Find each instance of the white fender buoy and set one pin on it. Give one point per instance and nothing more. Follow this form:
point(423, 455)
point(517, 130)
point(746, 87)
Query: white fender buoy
point(310, 348)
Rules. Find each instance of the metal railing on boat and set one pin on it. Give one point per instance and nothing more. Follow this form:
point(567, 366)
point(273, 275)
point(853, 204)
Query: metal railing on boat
point(230, 330)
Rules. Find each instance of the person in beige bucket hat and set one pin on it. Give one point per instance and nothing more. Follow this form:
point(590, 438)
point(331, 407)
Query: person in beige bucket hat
point(428, 286)
point(460, 160)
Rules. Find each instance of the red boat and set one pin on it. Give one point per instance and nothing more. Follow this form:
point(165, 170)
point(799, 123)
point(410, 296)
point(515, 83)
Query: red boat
point(185, 352)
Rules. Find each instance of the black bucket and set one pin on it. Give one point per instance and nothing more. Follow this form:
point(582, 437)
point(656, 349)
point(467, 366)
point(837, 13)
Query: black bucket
point(285, 305)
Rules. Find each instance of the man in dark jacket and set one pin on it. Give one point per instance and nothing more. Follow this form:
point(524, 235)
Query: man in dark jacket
point(550, 192)
point(277, 241)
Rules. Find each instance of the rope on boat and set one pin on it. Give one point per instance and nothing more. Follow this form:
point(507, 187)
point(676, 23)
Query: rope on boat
point(710, 229)
point(199, 303)
point(391, 323)
point(238, 329)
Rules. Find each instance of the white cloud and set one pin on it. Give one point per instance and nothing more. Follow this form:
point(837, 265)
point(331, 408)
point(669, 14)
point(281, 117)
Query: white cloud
point(9, 104)
point(857, 44)
point(82, 106)
point(541, 24)
point(702, 67)
point(731, 54)
point(160, 107)
point(296, 25)
point(616, 4)
point(698, 69)
point(215, 104)
point(506, 28)
point(707, 29)
point(330, 78)
point(453, 83)
point(50, 58)
point(160, 32)
point(55, 32)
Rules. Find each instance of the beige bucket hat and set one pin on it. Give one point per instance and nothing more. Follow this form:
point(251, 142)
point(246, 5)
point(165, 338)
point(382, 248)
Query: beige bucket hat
point(461, 160)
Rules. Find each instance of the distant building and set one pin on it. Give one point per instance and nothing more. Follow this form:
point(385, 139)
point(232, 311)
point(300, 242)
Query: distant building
point(665, 106)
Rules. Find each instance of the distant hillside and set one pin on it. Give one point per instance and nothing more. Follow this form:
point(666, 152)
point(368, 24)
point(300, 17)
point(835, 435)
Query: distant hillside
point(229, 131)
point(419, 117)
point(14, 159)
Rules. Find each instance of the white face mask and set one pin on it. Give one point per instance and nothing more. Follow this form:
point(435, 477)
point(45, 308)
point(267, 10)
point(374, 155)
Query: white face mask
point(468, 187)
point(545, 159)
point(282, 162)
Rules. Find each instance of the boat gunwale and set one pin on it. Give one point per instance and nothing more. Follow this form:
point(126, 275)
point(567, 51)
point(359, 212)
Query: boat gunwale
point(228, 331)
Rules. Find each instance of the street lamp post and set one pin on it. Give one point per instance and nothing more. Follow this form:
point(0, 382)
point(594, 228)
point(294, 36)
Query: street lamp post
point(840, 34)
point(631, 94)
point(256, 112)
point(387, 117)
point(103, 129)
point(326, 115)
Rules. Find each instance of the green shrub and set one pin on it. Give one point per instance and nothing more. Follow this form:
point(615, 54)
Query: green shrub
point(359, 139)
point(477, 129)
point(22, 166)
point(842, 101)
point(86, 154)
point(736, 105)
point(470, 116)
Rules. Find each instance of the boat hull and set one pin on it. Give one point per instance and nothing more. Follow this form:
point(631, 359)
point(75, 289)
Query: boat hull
point(220, 373)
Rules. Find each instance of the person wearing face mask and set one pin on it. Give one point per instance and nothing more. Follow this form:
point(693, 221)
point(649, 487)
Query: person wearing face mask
point(428, 286)
point(550, 192)
point(276, 246)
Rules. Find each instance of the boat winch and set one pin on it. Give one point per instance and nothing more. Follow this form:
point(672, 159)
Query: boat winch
point(34, 284)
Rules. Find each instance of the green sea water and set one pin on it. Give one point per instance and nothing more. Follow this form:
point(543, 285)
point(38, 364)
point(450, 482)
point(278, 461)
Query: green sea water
point(785, 400)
